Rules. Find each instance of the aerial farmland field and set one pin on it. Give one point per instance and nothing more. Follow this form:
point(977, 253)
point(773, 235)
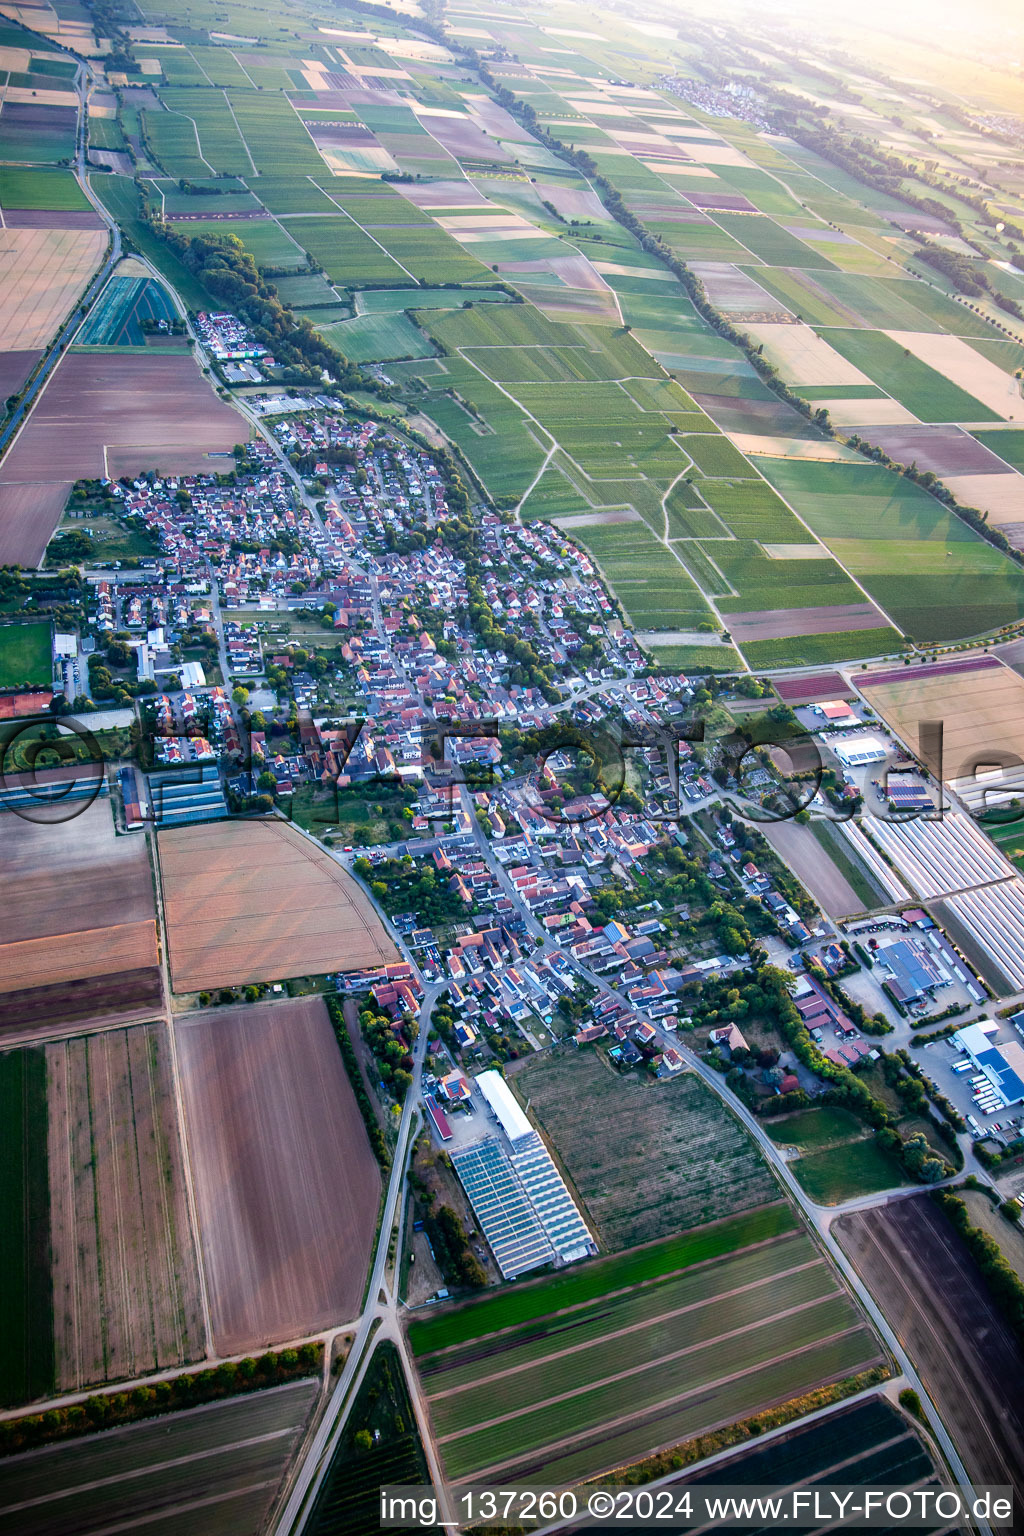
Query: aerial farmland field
point(257, 901)
point(26, 1340)
point(287, 1218)
point(966, 1354)
point(209, 1470)
point(126, 1288)
point(84, 918)
point(694, 1165)
point(542, 1406)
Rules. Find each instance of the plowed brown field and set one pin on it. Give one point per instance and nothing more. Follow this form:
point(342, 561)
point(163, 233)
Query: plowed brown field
point(126, 1297)
point(83, 911)
point(248, 901)
point(286, 1184)
point(153, 411)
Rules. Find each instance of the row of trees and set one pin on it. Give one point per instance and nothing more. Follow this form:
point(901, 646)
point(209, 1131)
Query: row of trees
point(106, 1409)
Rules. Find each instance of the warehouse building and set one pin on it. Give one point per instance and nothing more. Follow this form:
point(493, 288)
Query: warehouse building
point(1003, 1065)
point(525, 1211)
point(860, 750)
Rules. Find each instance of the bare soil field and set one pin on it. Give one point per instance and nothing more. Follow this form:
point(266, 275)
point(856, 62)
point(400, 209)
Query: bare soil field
point(94, 999)
point(800, 851)
point(286, 1184)
point(42, 273)
point(802, 357)
point(249, 901)
point(956, 361)
point(106, 414)
point(981, 708)
point(15, 368)
point(126, 1297)
point(84, 910)
point(945, 450)
point(933, 1294)
point(781, 623)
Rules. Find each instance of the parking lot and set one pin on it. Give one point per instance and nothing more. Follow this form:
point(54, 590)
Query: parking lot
point(938, 1060)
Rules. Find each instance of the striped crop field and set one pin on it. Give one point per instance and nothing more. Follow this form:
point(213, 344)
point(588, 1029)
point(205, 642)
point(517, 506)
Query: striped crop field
point(581, 1372)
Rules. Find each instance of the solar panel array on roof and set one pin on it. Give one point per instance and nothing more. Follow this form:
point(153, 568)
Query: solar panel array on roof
point(507, 1218)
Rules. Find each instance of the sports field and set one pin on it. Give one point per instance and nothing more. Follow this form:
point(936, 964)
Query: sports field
point(643, 1352)
point(26, 655)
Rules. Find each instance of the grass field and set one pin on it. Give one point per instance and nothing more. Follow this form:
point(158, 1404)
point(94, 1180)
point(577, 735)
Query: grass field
point(927, 393)
point(814, 1129)
point(844, 1171)
point(694, 1164)
point(647, 1361)
point(26, 655)
point(812, 650)
point(36, 187)
point(377, 337)
point(26, 1292)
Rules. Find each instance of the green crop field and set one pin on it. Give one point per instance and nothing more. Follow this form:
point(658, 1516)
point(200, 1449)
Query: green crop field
point(347, 254)
point(220, 142)
point(22, 186)
point(694, 1164)
point(26, 1293)
point(390, 300)
point(26, 655)
point(750, 509)
point(688, 518)
point(431, 255)
point(846, 1171)
point(292, 194)
point(716, 456)
point(1008, 444)
point(276, 139)
point(529, 1300)
point(655, 593)
point(654, 1349)
point(813, 650)
point(770, 242)
point(934, 575)
point(761, 582)
point(375, 338)
point(265, 239)
point(174, 144)
point(921, 389)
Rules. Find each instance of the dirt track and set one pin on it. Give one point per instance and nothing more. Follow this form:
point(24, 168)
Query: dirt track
point(286, 1185)
point(932, 1293)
